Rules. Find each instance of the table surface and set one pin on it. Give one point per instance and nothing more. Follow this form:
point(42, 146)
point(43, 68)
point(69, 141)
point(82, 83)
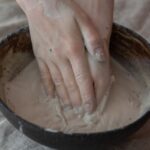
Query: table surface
point(133, 14)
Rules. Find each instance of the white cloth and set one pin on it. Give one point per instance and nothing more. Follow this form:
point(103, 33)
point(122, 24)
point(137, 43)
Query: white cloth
point(134, 14)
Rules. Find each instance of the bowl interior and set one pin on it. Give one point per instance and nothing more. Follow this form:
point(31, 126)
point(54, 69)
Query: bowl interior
point(130, 50)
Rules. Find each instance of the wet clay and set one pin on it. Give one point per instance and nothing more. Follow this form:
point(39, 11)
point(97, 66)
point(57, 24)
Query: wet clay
point(26, 97)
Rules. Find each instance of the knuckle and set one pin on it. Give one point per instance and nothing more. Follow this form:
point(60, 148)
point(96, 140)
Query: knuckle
point(73, 52)
point(71, 86)
point(58, 55)
point(82, 77)
point(76, 57)
point(58, 81)
point(87, 97)
point(94, 42)
point(87, 91)
point(79, 77)
point(73, 49)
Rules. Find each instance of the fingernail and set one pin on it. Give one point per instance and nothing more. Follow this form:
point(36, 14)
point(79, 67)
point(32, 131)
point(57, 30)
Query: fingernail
point(88, 107)
point(99, 55)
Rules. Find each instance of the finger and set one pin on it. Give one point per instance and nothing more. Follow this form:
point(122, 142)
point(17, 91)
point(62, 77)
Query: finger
point(60, 86)
point(70, 83)
point(46, 78)
point(75, 53)
point(102, 82)
point(93, 42)
point(83, 77)
point(44, 70)
point(90, 33)
point(102, 95)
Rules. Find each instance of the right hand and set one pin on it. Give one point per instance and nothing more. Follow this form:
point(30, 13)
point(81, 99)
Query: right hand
point(56, 29)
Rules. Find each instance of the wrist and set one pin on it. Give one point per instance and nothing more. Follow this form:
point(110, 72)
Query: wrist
point(27, 5)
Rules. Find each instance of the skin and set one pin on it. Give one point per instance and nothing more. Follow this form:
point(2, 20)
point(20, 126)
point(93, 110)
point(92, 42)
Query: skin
point(60, 31)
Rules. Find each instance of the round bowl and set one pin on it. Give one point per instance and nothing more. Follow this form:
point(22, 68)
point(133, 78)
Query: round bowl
point(127, 47)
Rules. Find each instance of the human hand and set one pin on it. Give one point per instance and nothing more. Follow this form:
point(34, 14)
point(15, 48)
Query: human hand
point(57, 28)
point(100, 13)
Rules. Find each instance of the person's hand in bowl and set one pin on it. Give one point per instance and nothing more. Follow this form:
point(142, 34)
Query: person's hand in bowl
point(60, 31)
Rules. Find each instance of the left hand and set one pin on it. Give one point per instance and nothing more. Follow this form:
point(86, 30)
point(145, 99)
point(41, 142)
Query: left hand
point(100, 13)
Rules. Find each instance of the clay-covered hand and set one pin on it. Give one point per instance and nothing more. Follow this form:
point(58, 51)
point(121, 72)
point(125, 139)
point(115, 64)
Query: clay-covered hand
point(100, 13)
point(60, 31)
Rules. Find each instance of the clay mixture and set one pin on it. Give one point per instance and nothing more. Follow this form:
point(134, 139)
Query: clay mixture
point(26, 97)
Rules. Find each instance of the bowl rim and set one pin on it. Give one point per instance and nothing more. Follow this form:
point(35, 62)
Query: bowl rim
point(142, 118)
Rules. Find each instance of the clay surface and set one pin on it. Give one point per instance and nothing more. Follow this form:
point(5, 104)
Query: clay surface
point(26, 96)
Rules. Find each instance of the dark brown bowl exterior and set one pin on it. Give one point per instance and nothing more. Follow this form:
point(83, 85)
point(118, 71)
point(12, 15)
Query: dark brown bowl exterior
point(95, 141)
point(61, 141)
